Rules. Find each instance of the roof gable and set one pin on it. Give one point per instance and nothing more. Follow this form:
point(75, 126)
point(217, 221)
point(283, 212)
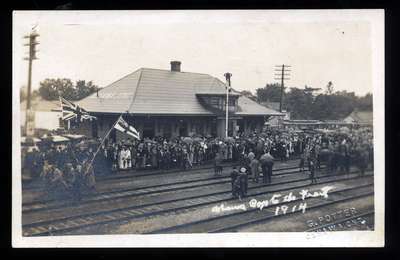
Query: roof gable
point(114, 98)
point(168, 92)
point(155, 91)
point(363, 116)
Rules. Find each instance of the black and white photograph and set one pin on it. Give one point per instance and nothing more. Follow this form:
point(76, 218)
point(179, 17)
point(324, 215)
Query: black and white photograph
point(208, 128)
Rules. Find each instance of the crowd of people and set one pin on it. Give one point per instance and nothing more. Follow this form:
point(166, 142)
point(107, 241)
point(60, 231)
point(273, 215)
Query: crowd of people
point(338, 151)
point(70, 168)
point(184, 153)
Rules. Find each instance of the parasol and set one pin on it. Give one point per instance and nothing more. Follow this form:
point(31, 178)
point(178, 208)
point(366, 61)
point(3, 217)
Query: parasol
point(344, 129)
point(58, 139)
point(187, 140)
point(229, 139)
point(198, 139)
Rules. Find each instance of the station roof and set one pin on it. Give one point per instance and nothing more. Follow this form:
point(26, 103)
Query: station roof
point(361, 117)
point(164, 92)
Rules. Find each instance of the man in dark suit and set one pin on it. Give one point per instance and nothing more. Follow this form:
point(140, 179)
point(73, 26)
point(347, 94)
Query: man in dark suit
point(243, 182)
point(234, 176)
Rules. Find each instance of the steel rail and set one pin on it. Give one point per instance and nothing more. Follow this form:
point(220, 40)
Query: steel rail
point(221, 218)
point(40, 204)
point(131, 212)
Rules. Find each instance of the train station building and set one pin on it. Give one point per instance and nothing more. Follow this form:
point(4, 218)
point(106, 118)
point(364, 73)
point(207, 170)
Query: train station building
point(172, 103)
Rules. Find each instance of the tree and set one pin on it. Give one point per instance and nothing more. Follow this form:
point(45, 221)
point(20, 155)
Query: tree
point(299, 103)
point(84, 89)
point(329, 88)
point(322, 108)
point(50, 89)
point(271, 93)
point(365, 102)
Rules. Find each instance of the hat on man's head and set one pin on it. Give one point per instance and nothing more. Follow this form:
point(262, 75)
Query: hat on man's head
point(242, 169)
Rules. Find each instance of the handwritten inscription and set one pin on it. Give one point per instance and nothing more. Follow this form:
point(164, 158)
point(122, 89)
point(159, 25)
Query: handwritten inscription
point(222, 208)
point(285, 209)
point(279, 200)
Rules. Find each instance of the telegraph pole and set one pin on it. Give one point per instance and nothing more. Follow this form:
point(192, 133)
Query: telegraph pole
point(282, 74)
point(228, 88)
point(32, 56)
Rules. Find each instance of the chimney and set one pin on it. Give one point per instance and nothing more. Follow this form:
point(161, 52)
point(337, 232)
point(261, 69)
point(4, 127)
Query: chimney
point(176, 66)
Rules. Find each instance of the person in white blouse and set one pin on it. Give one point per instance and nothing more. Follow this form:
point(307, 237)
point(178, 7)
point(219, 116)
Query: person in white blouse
point(128, 159)
point(122, 158)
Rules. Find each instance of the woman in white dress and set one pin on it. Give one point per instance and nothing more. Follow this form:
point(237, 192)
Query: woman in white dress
point(122, 159)
point(128, 158)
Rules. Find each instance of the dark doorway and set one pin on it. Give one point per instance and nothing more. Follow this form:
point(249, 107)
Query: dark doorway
point(240, 124)
point(230, 128)
point(214, 127)
point(183, 129)
point(167, 129)
point(94, 129)
point(148, 128)
point(113, 134)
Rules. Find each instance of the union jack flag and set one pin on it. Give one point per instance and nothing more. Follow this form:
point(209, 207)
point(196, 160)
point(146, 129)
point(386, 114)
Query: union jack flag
point(71, 111)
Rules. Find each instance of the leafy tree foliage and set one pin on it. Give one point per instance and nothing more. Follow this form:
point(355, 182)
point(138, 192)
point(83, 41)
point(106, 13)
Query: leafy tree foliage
point(51, 89)
point(299, 103)
point(365, 102)
point(307, 104)
point(271, 93)
point(329, 88)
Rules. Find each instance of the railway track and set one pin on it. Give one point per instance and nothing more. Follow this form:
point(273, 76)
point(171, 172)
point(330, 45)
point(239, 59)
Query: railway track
point(46, 204)
point(235, 220)
point(75, 222)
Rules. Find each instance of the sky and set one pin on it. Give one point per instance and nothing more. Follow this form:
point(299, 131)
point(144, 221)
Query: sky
point(103, 47)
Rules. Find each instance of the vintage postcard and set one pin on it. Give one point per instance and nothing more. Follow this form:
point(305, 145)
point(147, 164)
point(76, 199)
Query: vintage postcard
point(218, 128)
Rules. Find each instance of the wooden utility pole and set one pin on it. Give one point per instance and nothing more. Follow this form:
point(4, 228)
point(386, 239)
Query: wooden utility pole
point(282, 76)
point(32, 56)
point(228, 89)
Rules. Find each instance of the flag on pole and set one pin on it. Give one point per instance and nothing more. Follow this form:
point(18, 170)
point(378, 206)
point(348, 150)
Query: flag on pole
point(71, 111)
point(123, 126)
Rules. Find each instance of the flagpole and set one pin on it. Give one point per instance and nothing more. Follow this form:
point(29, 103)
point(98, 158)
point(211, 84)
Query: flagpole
point(62, 110)
point(102, 142)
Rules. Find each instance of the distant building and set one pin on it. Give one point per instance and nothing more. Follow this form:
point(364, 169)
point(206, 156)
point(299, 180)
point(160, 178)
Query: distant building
point(359, 118)
point(47, 113)
point(301, 123)
point(172, 103)
point(276, 120)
